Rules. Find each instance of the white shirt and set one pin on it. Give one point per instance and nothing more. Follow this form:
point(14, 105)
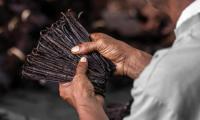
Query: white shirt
point(169, 87)
point(189, 12)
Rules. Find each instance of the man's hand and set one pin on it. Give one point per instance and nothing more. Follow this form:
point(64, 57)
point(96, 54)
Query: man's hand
point(80, 94)
point(128, 60)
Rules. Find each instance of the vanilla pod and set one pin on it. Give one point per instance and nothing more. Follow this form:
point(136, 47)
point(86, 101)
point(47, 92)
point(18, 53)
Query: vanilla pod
point(53, 61)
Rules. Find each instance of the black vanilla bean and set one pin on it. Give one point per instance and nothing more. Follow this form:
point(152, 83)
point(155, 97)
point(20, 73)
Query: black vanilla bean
point(53, 61)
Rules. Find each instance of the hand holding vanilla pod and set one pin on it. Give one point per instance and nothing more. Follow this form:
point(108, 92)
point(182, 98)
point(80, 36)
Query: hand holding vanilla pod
point(53, 61)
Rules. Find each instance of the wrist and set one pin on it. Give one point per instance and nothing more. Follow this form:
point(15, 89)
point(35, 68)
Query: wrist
point(83, 105)
point(91, 111)
point(136, 63)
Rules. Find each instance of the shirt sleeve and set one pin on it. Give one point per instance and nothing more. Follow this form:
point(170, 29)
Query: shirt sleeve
point(146, 107)
point(168, 89)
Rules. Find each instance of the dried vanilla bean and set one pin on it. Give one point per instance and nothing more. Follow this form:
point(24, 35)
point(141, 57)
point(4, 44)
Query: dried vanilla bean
point(53, 61)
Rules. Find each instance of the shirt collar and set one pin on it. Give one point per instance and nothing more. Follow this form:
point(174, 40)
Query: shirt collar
point(189, 12)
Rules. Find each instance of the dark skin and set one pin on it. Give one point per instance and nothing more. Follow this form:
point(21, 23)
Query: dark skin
point(80, 92)
point(128, 60)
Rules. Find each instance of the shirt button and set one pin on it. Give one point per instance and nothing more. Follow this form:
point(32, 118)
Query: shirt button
point(156, 56)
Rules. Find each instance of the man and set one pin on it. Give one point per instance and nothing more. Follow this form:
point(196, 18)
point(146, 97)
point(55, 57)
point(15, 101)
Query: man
point(167, 89)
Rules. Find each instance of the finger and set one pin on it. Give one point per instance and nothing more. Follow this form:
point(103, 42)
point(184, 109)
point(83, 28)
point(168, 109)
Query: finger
point(82, 66)
point(65, 84)
point(88, 47)
point(85, 48)
point(62, 90)
point(63, 87)
point(100, 99)
point(97, 36)
point(65, 92)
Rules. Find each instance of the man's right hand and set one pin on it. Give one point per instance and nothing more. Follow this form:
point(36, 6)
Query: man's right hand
point(128, 60)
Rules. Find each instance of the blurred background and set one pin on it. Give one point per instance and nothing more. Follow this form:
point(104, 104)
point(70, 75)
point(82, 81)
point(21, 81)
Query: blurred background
point(133, 21)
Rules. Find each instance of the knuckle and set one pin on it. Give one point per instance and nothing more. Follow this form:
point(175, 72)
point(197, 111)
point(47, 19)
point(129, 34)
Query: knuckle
point(83, 46)
point(61, 93)
point(89, 92)
point(80, 67)
point(78, 76)
point(96, 35)
point(101, 41)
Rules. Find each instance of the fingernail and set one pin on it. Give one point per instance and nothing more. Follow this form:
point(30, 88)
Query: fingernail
point(83, 59)
point(75, 49)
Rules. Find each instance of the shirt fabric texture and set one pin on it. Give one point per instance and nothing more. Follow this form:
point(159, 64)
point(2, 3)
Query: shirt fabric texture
point(169, 87)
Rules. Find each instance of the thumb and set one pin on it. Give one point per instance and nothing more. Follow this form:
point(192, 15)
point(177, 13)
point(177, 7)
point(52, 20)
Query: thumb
point(82, 66)
point(85, 48)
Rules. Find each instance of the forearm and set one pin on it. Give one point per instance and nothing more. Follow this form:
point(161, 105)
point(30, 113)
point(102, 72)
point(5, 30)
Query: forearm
point(92, 112)
point(136, 63)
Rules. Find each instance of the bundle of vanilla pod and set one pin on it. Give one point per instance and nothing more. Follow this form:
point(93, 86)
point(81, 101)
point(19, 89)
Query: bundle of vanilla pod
point(52, 60)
